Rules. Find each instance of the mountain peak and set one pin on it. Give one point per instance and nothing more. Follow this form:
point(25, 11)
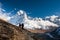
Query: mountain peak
point(20, 12)
point(29, 23)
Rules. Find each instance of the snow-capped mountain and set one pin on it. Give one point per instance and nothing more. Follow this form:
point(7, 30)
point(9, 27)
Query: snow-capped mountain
point(18, 18)
point(30, 22)
point(55, 19)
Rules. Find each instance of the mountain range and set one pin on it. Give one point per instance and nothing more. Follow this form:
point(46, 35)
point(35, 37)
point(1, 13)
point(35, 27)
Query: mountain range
point(49, 22)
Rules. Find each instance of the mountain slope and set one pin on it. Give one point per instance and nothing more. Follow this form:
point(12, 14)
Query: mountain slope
point(31, 23)
point(12, 32)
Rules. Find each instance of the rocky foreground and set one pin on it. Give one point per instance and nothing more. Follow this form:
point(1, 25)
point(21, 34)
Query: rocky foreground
point(12, 32)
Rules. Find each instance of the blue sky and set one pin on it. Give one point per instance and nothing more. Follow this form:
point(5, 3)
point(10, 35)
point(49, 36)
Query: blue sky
point(34, 8)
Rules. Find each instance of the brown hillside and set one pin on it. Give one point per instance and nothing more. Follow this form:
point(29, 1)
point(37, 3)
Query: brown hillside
point(12, 32)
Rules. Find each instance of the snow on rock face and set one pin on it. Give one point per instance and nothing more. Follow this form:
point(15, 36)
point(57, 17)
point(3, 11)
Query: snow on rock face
point(20, 12)
point(52, 18)
point(55, 19)
point(39, 24)
point(29, 23)
point(21, 17)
